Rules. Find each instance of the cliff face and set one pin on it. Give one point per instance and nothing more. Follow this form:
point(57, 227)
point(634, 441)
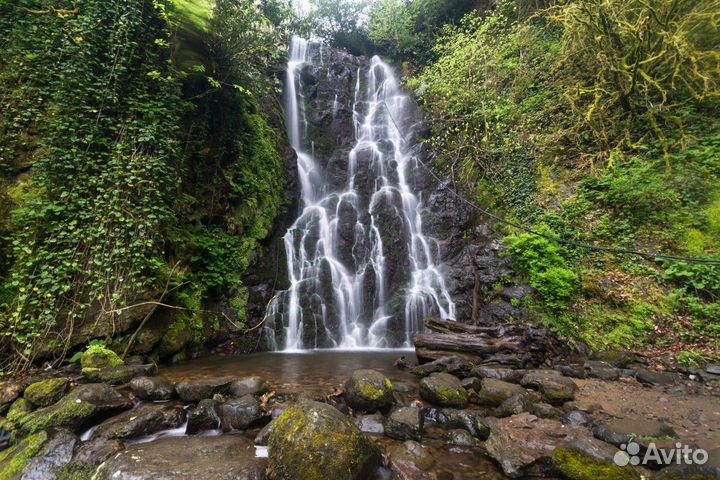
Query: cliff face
point(332, 88)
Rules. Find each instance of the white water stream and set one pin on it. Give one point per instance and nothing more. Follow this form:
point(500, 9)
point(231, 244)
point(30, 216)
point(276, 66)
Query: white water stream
point(340, 296)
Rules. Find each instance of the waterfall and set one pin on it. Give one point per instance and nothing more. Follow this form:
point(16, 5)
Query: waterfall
point(362, 274)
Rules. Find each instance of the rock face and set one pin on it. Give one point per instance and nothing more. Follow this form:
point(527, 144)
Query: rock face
point(228, 457)
point(314, 441)
point(369, 391)
point(525, 443)
point(444, 390)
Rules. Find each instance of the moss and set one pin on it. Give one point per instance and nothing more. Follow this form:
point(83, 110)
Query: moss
point(313, 441)
point(576, 466)
point(77, 472)
point(452, 396)
point(14, 459)
point(370, 392)
point(99, 356)
point(19, 410)
point(46, 392)
point(71, 412)
point(176, 338)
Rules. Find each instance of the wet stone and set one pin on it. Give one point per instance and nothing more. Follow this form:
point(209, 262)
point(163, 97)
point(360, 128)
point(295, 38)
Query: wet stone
point(203, 417)
point(461, 438)
point(241, 413)
point(495, 392)
point(371, 423)
point(405, 423)
point(444, 390)
point(152, 388)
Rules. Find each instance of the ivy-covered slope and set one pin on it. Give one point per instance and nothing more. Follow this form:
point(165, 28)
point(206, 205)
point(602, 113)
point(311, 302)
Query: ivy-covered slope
point(596, 122)
point(137, 166)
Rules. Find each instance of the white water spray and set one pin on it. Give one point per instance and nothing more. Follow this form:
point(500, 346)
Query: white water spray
point(347, 243)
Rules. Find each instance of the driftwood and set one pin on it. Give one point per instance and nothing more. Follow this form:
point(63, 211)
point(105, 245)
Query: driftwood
point(517, 345)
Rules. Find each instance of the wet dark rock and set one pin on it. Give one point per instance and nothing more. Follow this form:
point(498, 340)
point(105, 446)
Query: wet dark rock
point(587, 458)
point(203, 417)
point(619, 358)
point(712, 368)
point(46, 392)
point(461, 438)
point(601, 370)
point(405, 423)
point(49, 462)
point(85, 406)
point(196, 390)
point(410, 461)
point(119, 375)
point(241, 413)
point(498, 373)
point(96, 451)
point(545, 410)
point(517, 292)
point(578, 418)
point(523, 444)
point(144, 419)
point(444, 390)
point(371, 423)
point(495, 392)
point(249, 386)
point(450, 418)
point(641, 430)
point(317, 431)
point(517, 404)
point(369, 391)
point(554, 387)
point(263, 436)
point(152, 388)
point(574, 371)
point(451, 364)
point(226, 457)
point(651, 377)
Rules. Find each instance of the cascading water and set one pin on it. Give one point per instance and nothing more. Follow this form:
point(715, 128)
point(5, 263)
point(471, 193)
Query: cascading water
point(361, 272)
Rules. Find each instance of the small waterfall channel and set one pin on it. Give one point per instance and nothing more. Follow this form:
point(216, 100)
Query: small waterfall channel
point(362, 274)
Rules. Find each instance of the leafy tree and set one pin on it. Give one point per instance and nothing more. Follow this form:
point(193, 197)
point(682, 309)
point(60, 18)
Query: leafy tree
point(341, 23)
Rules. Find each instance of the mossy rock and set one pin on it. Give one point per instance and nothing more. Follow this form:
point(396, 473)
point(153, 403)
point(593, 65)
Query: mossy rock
point(444, 390)
point(119, 375)
point(99, 356)
point(314, 441)
point(19, 410)
point(369, 391)
point(78, 410)
point(590, 459)
point(14, 460)
point(176, 338)
point(47, 392)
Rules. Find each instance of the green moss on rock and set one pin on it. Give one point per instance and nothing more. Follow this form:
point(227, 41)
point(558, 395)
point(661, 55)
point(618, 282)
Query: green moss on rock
point(444, 390)
point(369, 390)
point(47, 392)
point(15, 459)
point(577, 465)
point(99, 356)
point(314, 441)
point(177, 337)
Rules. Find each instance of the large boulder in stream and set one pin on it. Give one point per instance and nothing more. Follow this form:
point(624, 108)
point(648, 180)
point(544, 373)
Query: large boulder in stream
point(145, 419)
point(369, 391)
point(314, 441)
point(444, 390)
point(227, 457)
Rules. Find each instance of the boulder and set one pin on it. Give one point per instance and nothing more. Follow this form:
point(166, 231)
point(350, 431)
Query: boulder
point(601, 370)
point(515, 405)
point(523, 444)
point(314, 441)
point(249, 386)
point(240, 413)
point(451, 364)
point(495, 392)
point(14, 460)
point(263, 436)
point(46, 392)
point(225, 457)
point(410, 461)
point(650, 377)
point(142, 420)
point(196, 390)
point(641, 430)
point(118, 375)
point(49, 462)
point(369, 391)
point(498, 373)
point(98, 356)
point(152, 388)
point(578, 418)
point(587, 458)
point(444, 390)
point(554, 387)
point(81, 408)
point(471, 383)
point(203, 417)
point(405, 423)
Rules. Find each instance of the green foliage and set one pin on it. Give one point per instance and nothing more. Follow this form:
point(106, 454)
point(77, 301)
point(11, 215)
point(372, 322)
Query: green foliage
point(548, 272)
point(691, 358)
point(340, 23)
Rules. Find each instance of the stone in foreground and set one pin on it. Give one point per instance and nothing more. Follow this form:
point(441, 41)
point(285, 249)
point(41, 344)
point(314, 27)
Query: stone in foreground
point(369, 391)
point(444, 390)
point(590, 459)
point(314, 441)
point(227, 457)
